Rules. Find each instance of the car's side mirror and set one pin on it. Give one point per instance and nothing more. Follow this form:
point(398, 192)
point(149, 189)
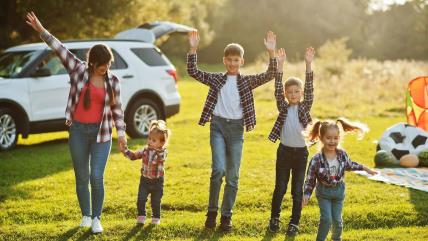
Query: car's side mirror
point(41, 72)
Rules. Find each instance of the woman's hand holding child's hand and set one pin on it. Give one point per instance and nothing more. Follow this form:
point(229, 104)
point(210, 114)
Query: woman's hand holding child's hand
point(305, 201)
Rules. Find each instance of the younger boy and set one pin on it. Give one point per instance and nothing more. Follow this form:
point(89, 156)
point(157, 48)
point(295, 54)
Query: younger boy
point(229, 106)
point(292, 153)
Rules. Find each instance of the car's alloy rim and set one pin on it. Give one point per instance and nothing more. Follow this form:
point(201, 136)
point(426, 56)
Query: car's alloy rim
point(142, 118)
point(7, 131)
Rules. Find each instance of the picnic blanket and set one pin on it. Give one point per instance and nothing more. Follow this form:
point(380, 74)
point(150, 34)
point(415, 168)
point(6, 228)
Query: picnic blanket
point(416, 178)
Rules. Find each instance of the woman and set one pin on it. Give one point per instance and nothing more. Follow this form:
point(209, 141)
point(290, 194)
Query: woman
point(93, 105)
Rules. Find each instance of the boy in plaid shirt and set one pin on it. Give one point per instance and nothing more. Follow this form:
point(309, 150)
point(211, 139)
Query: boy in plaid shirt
point(229, 106)
point(292, 154)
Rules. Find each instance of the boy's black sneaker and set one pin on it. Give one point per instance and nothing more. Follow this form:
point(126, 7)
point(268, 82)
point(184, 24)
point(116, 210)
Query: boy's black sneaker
point(292, 230)
point(274, 225)
point(225, 223)
point(210, 222)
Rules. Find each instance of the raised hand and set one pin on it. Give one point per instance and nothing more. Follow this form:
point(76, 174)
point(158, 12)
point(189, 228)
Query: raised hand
point(270, 42)
point(34, 22)
point(282, 56)
point(309, 55)
point(281, 59)
point(193, 41)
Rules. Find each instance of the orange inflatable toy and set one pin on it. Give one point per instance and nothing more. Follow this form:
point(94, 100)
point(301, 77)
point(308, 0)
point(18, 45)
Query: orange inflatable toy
point(417, 102)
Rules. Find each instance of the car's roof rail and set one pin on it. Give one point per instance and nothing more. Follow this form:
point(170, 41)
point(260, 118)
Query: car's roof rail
point(102, 39)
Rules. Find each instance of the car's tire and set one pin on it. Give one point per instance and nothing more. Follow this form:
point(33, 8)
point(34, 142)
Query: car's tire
point(139, 116)
point(8, 129)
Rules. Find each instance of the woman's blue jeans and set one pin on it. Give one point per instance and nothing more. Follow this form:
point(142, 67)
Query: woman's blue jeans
point(89, 162)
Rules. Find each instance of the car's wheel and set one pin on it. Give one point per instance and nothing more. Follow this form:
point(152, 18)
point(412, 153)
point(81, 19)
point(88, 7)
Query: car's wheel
point(139, 116)
point(8, 130)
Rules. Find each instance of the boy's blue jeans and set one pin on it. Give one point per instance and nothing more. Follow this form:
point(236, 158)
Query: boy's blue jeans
point(330, 202)
point(226, 138)
point(154, 187)
point(289, 160)
point(89, 162)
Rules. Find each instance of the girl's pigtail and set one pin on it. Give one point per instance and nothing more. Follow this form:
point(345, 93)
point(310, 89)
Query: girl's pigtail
point(314, 131)
point(349, 126)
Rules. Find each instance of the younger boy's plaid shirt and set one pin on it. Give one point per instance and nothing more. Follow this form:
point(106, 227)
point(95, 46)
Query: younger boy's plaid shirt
point(153, 161)
point(303, 109)
point(79, 76)
point(246, 83)
point(319, 170)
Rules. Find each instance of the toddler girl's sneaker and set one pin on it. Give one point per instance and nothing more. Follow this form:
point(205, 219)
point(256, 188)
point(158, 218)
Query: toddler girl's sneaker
point(156, 221)
point(86, 222)
point(141, 219)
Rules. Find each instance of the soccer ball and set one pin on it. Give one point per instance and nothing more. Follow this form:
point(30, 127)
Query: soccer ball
point(403, 139)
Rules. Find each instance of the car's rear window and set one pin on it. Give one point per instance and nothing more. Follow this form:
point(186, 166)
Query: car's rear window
point(118, 63)
point(150, 56)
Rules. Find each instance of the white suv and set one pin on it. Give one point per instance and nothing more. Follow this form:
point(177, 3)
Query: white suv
point(34, 84)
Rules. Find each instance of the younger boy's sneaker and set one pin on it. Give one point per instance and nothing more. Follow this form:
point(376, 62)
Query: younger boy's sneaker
point(210, 222)
point(96, 226)
point(86, 222)
point(225, 223)
point(155, 221)
point(141, 219)
point(274, 225)
point(292, 229)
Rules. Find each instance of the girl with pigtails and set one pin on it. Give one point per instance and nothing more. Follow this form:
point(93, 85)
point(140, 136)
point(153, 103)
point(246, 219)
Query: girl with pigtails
point(326, 173)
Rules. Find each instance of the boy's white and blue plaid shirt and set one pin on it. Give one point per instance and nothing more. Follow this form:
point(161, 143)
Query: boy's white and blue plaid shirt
point(79, 76)
point(246, 83)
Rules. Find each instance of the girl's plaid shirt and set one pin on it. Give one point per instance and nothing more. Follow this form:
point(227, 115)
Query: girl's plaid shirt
point(303, 110)
point(153, 161)
point(319, 170)
point(79, 76)
point(246, 83)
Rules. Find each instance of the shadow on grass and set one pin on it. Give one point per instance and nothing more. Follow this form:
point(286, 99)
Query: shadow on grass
point(31, 162)
point(35, 161)
point(210, 234)
point(140, 232)
point(419, 199)
point(73, 234)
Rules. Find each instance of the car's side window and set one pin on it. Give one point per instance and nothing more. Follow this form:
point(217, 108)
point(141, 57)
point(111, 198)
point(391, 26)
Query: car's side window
point(150, 56)
point(119, 62)
point(53, 64)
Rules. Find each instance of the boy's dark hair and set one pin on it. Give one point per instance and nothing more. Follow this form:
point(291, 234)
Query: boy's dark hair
point(234, 49)
point(293, 81)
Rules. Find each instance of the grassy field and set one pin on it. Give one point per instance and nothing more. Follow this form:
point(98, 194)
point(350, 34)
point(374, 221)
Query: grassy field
point(37, 193)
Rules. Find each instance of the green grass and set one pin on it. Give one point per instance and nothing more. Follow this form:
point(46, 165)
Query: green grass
point(38, 200)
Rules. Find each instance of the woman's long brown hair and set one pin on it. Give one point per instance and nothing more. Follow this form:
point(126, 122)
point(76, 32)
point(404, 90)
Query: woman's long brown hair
point(99, 54)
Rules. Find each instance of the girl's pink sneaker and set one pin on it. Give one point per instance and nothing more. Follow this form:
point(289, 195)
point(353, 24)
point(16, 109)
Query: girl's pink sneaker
point(141, 219)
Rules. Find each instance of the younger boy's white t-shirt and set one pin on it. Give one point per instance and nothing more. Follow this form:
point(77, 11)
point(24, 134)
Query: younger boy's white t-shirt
point(228, 102)
point(292, 129)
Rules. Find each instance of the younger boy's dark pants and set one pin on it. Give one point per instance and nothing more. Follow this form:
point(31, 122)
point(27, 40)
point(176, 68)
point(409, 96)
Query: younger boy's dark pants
point(289, 160)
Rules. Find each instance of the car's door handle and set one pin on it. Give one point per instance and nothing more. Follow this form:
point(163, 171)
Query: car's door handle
point(128, 76)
